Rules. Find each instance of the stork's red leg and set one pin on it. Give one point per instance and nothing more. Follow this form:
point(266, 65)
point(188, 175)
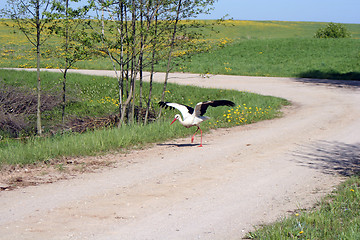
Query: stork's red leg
point(201, 138)
point(192, 139)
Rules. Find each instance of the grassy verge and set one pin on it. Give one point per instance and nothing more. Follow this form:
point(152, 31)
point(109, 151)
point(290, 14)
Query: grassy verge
point(89, 143)
point(96, 96)
point(336, 217)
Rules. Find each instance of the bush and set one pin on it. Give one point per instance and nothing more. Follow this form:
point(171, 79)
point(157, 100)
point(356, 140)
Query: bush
point(333, 30)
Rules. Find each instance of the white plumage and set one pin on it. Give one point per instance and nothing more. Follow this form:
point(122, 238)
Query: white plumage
point(193, 117)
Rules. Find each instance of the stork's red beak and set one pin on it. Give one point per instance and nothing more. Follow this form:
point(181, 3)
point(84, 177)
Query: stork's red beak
point(173, 121)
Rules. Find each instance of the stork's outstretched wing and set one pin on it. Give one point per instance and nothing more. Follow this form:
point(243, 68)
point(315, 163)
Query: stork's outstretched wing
point(201, 107)
point(185, 110)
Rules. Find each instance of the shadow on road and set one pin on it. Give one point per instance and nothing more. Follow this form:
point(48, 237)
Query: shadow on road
point(330, 74)
point(331, 82)
point(331, 157)
point(178, 144)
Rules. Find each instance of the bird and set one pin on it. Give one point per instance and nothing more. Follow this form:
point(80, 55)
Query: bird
point(193, 117)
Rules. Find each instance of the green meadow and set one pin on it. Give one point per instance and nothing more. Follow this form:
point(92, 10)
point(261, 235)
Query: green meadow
point(251, 48)
point(287, 57)
point(276, 49)
point(236, 30)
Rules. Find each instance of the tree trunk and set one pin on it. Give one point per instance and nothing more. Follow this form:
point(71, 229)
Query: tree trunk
point(170, 53)
point(64, 96)
point(141, 54)
point(66, 62)
point(133, 61)
point(121, 77)
point(38, 108)
point(152, 70)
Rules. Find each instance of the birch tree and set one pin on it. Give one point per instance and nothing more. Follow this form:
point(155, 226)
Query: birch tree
point(69, 26)
point(136, 34)
point(32, 18)
point(181, 9)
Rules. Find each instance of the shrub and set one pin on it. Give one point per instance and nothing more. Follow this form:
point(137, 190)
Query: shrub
point(333, 30)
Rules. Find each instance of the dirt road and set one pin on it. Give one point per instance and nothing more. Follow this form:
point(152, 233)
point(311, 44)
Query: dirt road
point(242, 177)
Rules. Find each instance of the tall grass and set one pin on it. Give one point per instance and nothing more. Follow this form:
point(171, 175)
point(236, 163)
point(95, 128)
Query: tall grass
point(90, 143)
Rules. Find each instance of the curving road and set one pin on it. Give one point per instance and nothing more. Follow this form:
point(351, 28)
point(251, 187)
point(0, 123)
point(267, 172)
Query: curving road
point(242, 177)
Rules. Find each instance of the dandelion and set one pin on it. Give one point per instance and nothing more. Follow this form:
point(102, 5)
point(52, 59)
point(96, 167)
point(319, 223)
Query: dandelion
point(352, 190)
point(228, 69)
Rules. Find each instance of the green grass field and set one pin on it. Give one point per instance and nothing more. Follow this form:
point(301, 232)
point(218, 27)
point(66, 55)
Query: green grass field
point(287, 57)
point(252, 48)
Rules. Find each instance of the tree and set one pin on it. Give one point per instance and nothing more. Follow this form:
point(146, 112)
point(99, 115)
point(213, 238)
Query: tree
point(124, 38)
point(69, 25)
point(152, 61)
point(32, 18)
point(136, 34)
point(168, 68)
point(182, 9)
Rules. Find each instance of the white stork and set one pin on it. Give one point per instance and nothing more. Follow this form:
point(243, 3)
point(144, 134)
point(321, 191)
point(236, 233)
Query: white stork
point(193, 117)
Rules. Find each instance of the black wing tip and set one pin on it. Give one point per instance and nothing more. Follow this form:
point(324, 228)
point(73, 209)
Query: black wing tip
point(164, 105)
point(225, 103)
point(231, 104)
point(228, 103)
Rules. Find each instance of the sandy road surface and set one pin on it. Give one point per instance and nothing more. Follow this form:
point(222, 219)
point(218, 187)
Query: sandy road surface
point(241, 177)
